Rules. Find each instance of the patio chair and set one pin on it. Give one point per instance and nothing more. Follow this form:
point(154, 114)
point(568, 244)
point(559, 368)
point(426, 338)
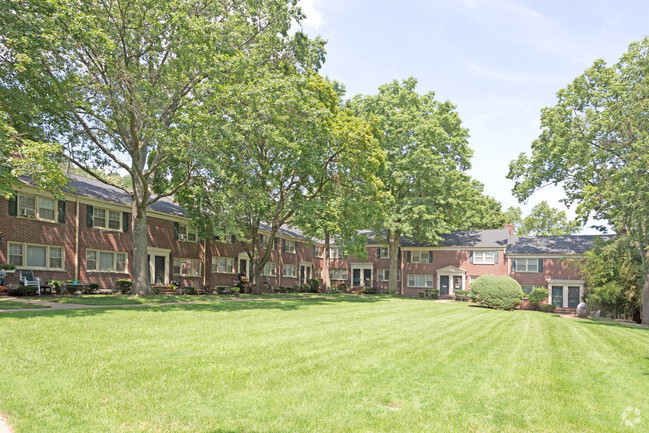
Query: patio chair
point(27, 279)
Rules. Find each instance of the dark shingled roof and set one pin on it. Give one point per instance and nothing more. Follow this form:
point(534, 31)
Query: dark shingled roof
point(92, 188)
point(285, 231)
point(467, 238)
point(564, 245)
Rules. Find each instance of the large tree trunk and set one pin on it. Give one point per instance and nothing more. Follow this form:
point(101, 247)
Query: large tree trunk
point(257, 265)
point(141, 284)
point(393, 250)
point(326, 282)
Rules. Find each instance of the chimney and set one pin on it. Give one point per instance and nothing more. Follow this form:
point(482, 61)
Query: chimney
point(510, 227)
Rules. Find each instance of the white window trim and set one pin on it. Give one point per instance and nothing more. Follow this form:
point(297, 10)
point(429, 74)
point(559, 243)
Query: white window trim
point(484, 260)
point(344, 274)
point(182, 259)
point(387, 253)
point(215, 267)
point(380, 274)
point(188, 230)
point(421, 253)
point(285, 267)
point(107, 213)
point(114, 253)
point(426, 276)
point(286, 242)
point(37, 208)
point(339, 253)
point(565, 284)
point(527, 265)
point(47, 256)
point(263, 270)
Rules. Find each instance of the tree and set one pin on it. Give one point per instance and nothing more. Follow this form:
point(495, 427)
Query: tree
point(426, 153)
point(594, 143)
point(280, 152)
point(23, 157)
point(122, 85)
point(542, 220)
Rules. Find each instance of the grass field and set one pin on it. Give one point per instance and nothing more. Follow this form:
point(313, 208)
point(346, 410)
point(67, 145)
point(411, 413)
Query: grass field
point(7, 304)
point(340, 364)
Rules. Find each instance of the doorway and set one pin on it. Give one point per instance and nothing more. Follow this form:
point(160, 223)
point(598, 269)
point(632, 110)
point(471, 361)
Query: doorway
point(305, 273)
point(158, 265)
point(443, 285)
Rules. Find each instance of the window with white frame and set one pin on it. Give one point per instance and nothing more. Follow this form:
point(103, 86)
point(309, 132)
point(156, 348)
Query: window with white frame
point(335, 252)
point(384, 274)
point(527, 265)
point(226, 239)
point(382, 253)
point(270, 269)
point(420, 257)
point(32, 206)
point(338, 274)
point(264, 241)
point(105, 261)
point(187, 267)
point(36, 256)
point(223, 265)
point(288, 246)
point(187, 233)
point(106, 219)
point(290, 271)
point(420, 280)
point(484, 257)
point(318, 251)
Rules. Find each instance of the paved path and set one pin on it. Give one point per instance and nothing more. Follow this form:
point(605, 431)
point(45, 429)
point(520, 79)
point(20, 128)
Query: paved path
point(65, 306)
point(4, 427)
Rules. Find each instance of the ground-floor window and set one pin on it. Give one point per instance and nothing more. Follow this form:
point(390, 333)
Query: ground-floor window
point(290, 271)
point(420, 280)
point(36, 256)
point(187, 267)
point(338, 274)
point(223, 265)
point(105, 261)
point(384, 274)
point(270, 269)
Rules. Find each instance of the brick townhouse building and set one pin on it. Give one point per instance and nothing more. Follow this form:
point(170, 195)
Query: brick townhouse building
point(87, 237)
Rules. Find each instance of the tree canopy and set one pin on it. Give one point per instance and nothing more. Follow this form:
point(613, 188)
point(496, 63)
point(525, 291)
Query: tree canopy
point(594, 144)
point(122, 85)
point(543, 220)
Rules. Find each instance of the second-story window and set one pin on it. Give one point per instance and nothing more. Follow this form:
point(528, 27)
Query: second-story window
point(335, 252)
point(484, 257)
point(32, 206)
point(106, 219)
point(288, 246)
point(187, 233)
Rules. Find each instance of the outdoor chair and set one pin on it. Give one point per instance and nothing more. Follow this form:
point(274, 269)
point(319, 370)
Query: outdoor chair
point(27, 279)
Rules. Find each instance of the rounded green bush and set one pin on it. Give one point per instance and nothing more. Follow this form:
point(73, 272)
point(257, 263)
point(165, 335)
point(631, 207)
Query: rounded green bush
point(497, 291)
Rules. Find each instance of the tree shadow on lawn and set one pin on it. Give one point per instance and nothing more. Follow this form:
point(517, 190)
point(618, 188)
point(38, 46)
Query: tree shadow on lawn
point(605, 322)
point(207, 306)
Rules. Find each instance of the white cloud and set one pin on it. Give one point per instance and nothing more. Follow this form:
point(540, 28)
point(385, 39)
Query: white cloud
point(314, 18)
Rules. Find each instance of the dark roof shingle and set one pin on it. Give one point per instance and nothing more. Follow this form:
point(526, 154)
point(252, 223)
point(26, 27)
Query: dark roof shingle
point(563, 245)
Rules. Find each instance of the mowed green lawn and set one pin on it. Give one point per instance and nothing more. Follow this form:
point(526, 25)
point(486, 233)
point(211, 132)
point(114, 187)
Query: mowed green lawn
point(340, 364)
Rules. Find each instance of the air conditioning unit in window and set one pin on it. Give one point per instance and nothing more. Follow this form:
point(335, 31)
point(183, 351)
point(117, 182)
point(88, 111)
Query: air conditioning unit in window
point(182, 237)
point(28, 212)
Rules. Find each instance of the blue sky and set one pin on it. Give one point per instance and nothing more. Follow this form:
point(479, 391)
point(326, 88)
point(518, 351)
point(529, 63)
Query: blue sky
point(498, 61)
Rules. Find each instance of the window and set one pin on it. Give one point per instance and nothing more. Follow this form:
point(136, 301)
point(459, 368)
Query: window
point(36, 256)
point(318, 251)
point(106, 219)
point(263, 241)
point(527, 265)
point(223, 265)
point(187, 233)
point(338, 274)
point(187, 267)
point(384, 275)
point(527, 289)
point(420, 257)
point(335, 252)
point(420, 281)
point(484, 257)
point(105, 261)
point(290, 271)
point(226, 239)
point(270, 270)
point(288, 246)
point(382, 253)
point(31, 206)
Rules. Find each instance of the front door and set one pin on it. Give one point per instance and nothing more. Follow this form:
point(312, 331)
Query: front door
point(356, 277)
point(159, 270)
point(367, 278)
point(573, 297)
point(243, 267)
point(557, 296)
point(443, 285)
point(305, 274)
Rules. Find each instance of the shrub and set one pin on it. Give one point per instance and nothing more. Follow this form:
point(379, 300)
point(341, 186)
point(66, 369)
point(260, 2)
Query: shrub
point(155, 290)
point(422, 294)
point(369, 290)
point(23, 291)
point(314, 285)
point(93, 286)
point(432, 293)
point(57, 286)
point(547, 308)
point(342, 287)
point(539, 294)
point(462, 295)
point(123, 286)
point(189, 291)
point(496, 291)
